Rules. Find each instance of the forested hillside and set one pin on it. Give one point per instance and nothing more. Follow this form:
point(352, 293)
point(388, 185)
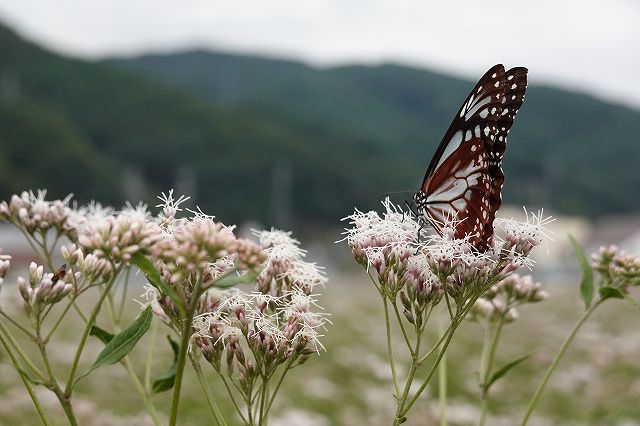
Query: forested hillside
point(280, 141)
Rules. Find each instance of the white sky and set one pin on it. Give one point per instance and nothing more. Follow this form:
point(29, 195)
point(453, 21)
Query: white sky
point(586, 45)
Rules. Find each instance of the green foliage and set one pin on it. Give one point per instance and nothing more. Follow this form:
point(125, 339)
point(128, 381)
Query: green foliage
point(122, 343)
point(504, 370)
point(104, 336)
point(236, 125)
point(586, 283)
point(168, 378)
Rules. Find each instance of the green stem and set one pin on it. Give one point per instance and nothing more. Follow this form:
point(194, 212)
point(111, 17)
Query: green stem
point(407, 386)
point(11, 341)
point(148, 404)
point(435, 347)
point(442, 385)
point(85, 334)
point(124, 294)
point(30, 240)
point(59, 320)
point(404, 332)
point(126, 362)
point(64, 399)
point(185, 335)
point(277, 388)
point(486, 363)
point(392, 362)
point(264, 391)
point(79, 311)
point(25, 381)
point(433, 369)
point(149, 362)
point(18, 325)
point(233, 398)
point(556, 361)
point(215, 411)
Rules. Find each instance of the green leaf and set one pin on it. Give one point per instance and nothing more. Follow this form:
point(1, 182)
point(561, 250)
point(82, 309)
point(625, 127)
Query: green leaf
point(122, 343)
point(611, 293)
point(234, 279)
point(586, 284)
point(146, 266)
point(503, 370)
point(101, 334)
point(168, 378)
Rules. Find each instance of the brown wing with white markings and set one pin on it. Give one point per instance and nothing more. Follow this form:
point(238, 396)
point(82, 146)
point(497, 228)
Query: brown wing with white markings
point(464, 179)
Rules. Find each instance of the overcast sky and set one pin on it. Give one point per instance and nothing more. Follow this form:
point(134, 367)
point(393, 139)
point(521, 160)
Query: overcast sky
point(587, 45)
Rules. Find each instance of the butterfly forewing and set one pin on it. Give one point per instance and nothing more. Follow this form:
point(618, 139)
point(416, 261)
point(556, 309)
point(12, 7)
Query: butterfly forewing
point(477, 117)
point(464, 179)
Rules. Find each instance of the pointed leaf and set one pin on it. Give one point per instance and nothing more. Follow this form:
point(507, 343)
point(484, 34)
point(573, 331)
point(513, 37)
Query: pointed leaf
point(611, 293)
point(168, 378)
point(586, 284)
point(153, 276)
point(123, 342)
point(504, 370)
point(101, 334)
point(146, 266)
point(234, 279)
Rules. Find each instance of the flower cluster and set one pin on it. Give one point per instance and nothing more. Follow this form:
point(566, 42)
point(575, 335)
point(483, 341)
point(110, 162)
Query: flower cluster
point(501, 300)
point(33, 214)
point(285, 269)
point(254, 333)
point(118, 237)
point(258, 332)
point(616, 268)
point(44, 289)
point(94, 269)
point(402, 254)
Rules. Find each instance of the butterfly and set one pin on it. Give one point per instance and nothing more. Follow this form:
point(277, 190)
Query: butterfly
point(463, 182)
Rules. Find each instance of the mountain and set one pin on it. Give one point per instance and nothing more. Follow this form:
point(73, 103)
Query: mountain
point(87, 128)
point(282, 142)
point(567, 151)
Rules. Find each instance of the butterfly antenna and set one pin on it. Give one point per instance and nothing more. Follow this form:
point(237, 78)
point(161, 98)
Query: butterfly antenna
point(386, 194)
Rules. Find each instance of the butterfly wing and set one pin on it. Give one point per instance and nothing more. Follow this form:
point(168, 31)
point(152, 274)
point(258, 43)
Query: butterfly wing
point(464, 179)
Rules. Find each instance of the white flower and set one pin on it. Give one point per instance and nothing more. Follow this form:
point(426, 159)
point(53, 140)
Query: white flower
point(170, 206)
point(370, 230)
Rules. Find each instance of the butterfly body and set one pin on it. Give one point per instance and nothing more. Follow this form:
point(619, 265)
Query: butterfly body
point(463, 182)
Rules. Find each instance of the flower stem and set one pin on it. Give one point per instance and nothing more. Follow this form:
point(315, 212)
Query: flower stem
point(25, 381)
point(148, 404)
point(434, 367)
point(233, 398)
point(10, 340)
point(392, 362)
point(215, 411)
point(442, 384)
point(400, 412)
point(275, 391)
point(149, 362)
point(556, 361)
point(85, 335)
point(402, 328)
point(185, 334)
point(486, 363)
point(59, 320)
point(126, 362)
